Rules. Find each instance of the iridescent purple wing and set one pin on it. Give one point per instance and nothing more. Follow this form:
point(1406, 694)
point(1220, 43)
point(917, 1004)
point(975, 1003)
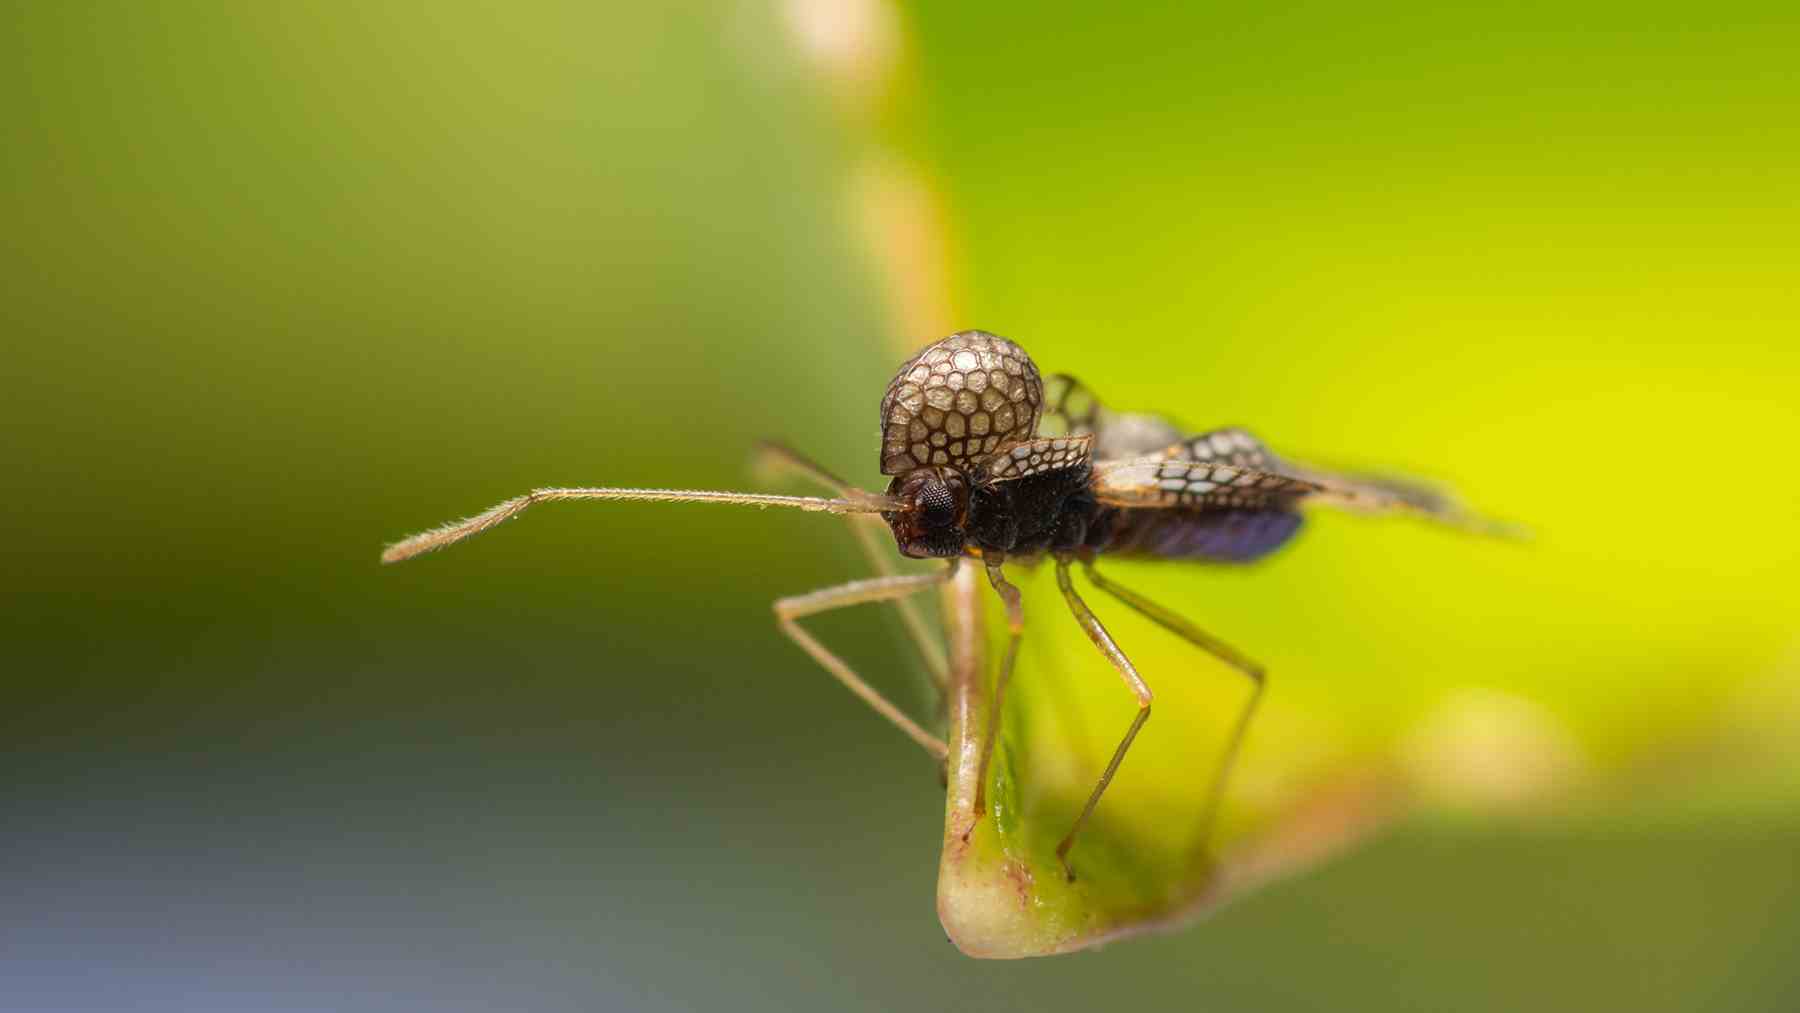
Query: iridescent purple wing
point(1218, 496)
point(1223, 534)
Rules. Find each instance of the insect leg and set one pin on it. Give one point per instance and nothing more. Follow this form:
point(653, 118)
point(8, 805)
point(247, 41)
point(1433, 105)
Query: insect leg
point(1212, 645)
point(789, 610)
point(1090, 624)
point(779, 458)
point(1015, 625)
point(868, 529)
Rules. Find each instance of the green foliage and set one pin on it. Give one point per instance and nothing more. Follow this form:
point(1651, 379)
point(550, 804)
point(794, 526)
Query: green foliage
point(1546, 264)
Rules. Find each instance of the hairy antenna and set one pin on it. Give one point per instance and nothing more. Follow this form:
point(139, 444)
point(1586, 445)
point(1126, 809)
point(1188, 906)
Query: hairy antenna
point(857, 502)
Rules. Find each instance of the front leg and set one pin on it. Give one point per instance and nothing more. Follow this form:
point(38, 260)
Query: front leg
point(788, 612)
point(1015, 625)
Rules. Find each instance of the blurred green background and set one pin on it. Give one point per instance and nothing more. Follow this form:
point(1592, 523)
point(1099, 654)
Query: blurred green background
point(286, 281)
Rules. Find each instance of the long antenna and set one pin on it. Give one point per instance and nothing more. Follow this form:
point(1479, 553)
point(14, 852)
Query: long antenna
point(858, 502)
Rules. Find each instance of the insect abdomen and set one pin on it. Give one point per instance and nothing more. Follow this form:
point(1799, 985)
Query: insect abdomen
point(1232, 535)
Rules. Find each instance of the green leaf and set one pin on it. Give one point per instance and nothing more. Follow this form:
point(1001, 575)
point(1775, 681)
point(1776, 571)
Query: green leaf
point(1144, 861)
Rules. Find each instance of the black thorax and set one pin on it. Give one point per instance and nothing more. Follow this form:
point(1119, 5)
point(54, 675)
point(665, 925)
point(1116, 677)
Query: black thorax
point(1051, 512)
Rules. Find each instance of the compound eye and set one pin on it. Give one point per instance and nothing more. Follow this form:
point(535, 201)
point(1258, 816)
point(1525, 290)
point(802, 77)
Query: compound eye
point(937, 506)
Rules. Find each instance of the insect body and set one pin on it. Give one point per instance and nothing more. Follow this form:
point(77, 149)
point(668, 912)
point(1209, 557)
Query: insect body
point(992, 462)
point(1217, 496)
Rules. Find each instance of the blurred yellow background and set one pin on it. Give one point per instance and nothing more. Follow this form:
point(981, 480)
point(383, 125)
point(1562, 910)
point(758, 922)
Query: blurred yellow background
point(283, 282)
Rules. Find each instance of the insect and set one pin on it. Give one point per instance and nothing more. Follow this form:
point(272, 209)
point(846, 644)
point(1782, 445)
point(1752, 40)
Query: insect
point(991, 464)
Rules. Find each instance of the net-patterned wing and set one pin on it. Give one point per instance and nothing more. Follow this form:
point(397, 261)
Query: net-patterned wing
point(1144, 461)
point(1231, 468)
point(1166, 482)
point(1035, 457)
point(1071, 409)
point(1231, 446)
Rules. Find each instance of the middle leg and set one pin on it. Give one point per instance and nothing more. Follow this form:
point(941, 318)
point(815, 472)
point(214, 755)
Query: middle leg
point(1090, 624)
point(1183, 628)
